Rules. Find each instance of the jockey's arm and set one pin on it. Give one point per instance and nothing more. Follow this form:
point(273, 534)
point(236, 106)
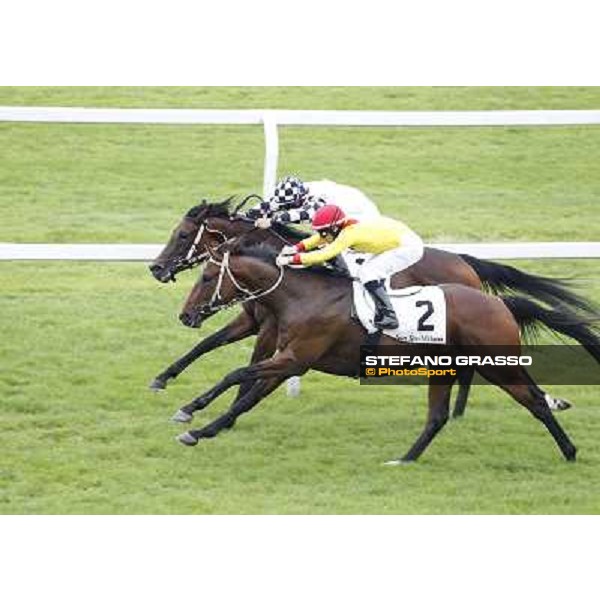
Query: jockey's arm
point(310, 243)
point(341, 243)
point(304, 214)
point(265, 208)
point(294, 215)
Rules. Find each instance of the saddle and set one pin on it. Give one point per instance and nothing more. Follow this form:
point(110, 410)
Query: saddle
point(421, 310)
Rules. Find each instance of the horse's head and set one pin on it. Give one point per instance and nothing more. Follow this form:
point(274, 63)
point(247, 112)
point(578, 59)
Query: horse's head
point(204, 227)
point(232, 275)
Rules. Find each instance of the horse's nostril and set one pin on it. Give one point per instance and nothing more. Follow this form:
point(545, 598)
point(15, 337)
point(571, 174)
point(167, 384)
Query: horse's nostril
point(186, 319)
point(159, 273)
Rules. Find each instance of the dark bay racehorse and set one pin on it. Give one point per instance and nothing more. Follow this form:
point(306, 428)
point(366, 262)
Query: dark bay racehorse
point(208, 225)
point(314, 330)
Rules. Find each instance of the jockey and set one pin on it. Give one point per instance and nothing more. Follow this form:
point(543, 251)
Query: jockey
point(394, 245)
point(295, 201)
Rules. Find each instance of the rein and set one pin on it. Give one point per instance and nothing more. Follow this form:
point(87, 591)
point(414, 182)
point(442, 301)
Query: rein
point(216, 302)
point(192, 259)
point(287, 242)
point(195, 257)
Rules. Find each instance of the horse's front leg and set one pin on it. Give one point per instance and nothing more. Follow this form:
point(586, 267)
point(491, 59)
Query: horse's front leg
point(281, 365)
point(264, 348)
point(240, 328)
point(259, 390)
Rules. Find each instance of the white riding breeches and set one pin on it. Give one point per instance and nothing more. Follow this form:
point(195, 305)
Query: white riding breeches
point(384, 265)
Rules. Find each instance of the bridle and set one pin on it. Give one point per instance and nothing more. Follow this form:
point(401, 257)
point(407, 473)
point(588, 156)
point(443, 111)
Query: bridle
point(216, 302)
point(192, 260)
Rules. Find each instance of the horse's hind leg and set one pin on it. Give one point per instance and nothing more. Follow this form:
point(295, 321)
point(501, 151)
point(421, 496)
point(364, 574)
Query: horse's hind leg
point(439, 408)
point(528, 394)
point(465, 377)
point(534, 399)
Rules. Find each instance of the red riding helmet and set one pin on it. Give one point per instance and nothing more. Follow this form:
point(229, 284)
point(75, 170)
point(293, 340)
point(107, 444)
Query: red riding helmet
point(328, 217)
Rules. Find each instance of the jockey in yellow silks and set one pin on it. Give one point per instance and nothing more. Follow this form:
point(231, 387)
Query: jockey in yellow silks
point(394, 246)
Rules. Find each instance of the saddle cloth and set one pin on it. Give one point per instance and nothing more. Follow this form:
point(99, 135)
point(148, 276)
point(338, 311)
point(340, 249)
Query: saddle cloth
point(421, 310)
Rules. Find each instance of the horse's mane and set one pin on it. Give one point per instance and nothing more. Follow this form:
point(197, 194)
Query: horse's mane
point(213, 209)
point(268, 254)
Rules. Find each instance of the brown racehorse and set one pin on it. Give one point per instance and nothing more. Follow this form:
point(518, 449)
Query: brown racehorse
point(315, 330)
point(209, 224)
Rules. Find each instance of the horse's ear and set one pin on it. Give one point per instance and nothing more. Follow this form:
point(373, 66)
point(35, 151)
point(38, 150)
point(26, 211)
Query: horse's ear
point(196, 210)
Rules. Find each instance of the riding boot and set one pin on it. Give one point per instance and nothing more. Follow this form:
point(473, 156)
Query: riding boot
point(385, 317)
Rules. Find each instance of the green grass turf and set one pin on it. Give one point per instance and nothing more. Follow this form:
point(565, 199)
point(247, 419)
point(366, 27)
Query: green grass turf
point(82, 434)
point(315, 98)
point(80, 342)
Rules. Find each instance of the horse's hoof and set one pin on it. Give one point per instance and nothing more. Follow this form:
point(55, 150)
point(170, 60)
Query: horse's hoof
point(187, 439)
point(181, 417)
point(562, 404)
point(557, 404)
point(158, 385)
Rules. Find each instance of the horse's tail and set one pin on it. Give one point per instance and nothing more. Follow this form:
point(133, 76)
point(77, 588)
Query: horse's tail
point(500, 279)
point(531, 317)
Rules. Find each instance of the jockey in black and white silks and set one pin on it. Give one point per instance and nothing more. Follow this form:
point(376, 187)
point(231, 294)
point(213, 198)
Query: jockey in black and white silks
point(295, 201)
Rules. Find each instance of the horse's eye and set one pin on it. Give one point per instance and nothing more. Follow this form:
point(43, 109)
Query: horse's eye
point(184, 235)
point(206, 278)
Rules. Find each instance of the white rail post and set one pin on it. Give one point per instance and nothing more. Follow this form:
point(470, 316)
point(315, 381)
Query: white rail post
point(271, 153)
point(269, 181)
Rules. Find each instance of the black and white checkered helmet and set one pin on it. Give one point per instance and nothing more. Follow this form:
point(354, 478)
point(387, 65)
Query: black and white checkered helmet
point(290, 192)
